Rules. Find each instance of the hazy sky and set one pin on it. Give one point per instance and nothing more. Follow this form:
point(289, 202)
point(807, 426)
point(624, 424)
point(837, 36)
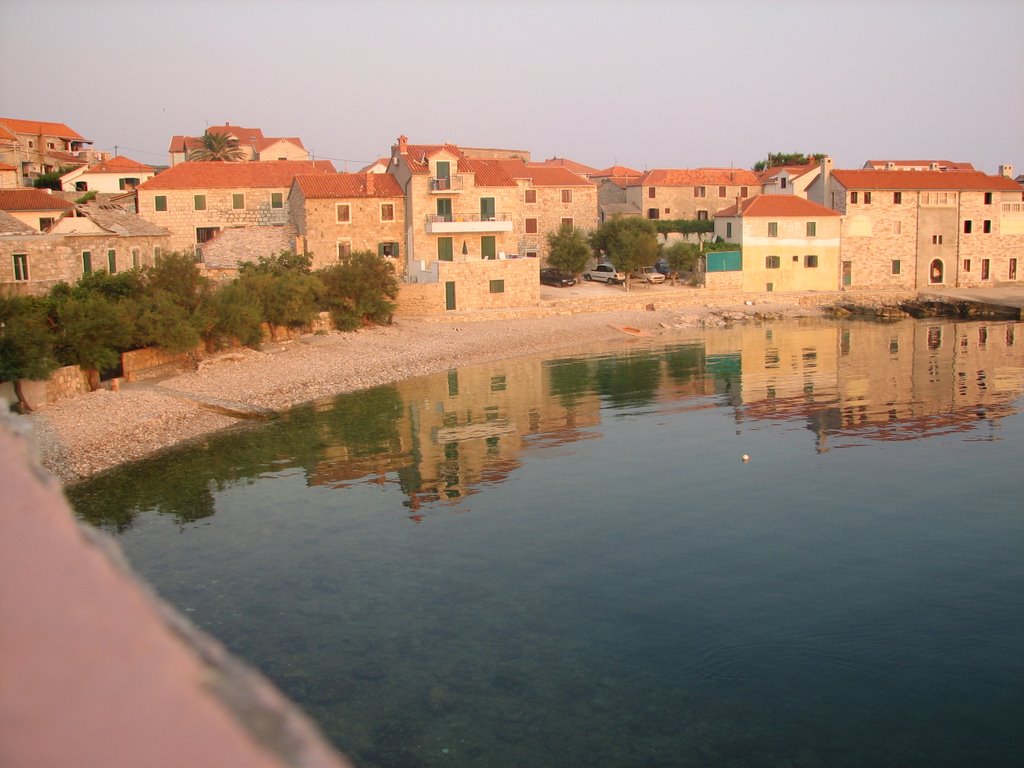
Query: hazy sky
point(646, 84)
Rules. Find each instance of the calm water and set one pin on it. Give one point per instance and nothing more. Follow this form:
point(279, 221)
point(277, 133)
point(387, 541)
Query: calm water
point(565, 562)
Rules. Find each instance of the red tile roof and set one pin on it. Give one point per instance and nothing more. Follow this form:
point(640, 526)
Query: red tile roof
point(944, 165)
point(795, 171)
point(6, 167)
point(554, 176)
point(36, 127)
point(30, 199)
point(615, 171)
point(415, 155)
point(487, 173)
point(688, 177)
point(244, 135)
point(572, 165)
point(220, 175)
point(119, 164)
point(344, 185)
point(912, 180)
point(777, 205)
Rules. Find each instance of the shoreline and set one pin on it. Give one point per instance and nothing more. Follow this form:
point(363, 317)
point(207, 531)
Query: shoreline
point(89, 434)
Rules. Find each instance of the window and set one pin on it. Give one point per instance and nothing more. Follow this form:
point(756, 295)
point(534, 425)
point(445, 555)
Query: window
point(721, 191)
point(773, 229)
point(702, 215)
point(160, 202)
point(342, 213)
point(968, 226)
point(86, 262)
point(488, 247)
point(277, 199)
point(967, 265)
point(985, 269)
point(206, 234)
point(127, 183)
point(112, 261)
point(897, 198)
point(531, 195)
point(344, 249)
point(812, 229)
point(988, 198)
point(445, 250)
point(895, 267)
point(136, 259)
point(387, 211)
point(45, 223)
point(487, 209)
point(566, 195)
point(986, 226)
point(652, 192)
point(867, 198)
point(238, 201)
point(497, 286)
point(700, 192)
point(897, 227)
point(853, 197)
point(728, 229)
point(811, 261)
point(20, 267)
point(81, 186)
point(782, 182)
point(652, 213)
point(743, 191)
point(531, 226)
point(387, 250)
point(772, 262)
point(199, 202)
point(936, 239)
point(567, 222)
point(668, 211)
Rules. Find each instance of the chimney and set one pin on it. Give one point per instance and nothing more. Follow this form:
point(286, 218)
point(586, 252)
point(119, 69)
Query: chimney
point(826, 182)
point(1006, 171)
point(890, 165)
point(369, 183)
point(403, 144)
point(933, 167)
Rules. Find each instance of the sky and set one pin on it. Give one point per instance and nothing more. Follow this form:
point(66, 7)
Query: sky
point(642, 83)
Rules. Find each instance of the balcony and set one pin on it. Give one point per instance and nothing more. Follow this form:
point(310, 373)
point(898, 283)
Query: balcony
point(445, 185)
point(438, 224)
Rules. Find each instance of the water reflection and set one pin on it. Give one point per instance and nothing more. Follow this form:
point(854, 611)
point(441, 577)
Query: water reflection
point(442, 439)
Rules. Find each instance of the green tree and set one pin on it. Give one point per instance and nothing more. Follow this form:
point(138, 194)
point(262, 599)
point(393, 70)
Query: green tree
point(568, 250)
point(94, 331)
point(26, 343)
point(627, 243)
point(217, 146)
point(359, 290)
point(237, 313)
point(682, 257)
point(777, 159)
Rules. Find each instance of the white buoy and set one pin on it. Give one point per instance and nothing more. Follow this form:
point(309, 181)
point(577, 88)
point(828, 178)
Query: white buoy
point(746, 457)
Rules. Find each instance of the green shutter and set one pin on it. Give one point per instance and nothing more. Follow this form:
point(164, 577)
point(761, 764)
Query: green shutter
point(160, 202)
point(86, 262)
point(199, 202)
point(277, 200)
point(112, 261)
point(445, 252)
point(487, 247)
point(449, 296)
point(486, 209)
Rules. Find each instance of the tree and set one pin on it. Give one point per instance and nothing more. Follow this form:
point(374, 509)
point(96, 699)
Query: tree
point(359, 290)
point(628, 243)
point(217, 146)
point(26, 343)
point(237, 314)
point(94, 331)
point(682, 257)
point(777, 159)
point(568, 250)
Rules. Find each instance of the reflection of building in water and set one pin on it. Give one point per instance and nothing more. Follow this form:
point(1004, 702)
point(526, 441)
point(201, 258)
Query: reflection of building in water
point(888, 381)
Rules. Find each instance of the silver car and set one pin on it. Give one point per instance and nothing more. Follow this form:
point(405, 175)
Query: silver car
point(648, 275)
point(605, 273)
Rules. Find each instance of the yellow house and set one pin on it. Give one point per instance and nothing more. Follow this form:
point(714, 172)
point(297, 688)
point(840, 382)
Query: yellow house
point(788, 243)
point(118, 174)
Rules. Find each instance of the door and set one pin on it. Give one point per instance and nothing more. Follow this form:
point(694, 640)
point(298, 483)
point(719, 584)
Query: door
point(443, 179)
point(847, 273)
point(935, 271)
point(449, 296)
point(985, 269)
point(487, 247)
point(444, 208)
point(1013, 269)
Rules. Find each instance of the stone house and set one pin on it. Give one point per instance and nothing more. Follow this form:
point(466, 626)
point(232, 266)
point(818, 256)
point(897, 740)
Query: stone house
point(117, 174)
point(9, 176)
point(697, 193)
point(916, 165)
point(195, 201)
point(35, 207)
point(788, 243)
point(914, 229)
point(611, 192)
point(35, 147)
point(255, 146)
point(88, 238)
point(336, 214)
point(789, 179)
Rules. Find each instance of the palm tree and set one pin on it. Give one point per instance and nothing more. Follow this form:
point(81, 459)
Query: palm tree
point(217, 146)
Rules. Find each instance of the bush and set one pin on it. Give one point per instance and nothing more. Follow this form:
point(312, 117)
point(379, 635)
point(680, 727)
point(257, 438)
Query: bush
point(359, 290)
point(684, 226)
point(237, 314)
point(568, 250)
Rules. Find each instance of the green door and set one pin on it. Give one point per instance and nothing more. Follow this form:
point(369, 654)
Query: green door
point(449, 296)
point(847, 273)
point(486, 209)
point(487, 249)
point(444, 249)
point(444, 208)
point(443, 169)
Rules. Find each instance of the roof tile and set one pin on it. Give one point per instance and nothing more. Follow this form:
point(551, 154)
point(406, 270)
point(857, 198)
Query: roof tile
point(221, 175)
point(346, 185)
point(912, 180)
point(686, 177)
point(37, 127)
point(31, 199)
point(777, 205)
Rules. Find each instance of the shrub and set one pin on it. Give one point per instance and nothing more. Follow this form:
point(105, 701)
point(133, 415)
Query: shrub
point(359, 290)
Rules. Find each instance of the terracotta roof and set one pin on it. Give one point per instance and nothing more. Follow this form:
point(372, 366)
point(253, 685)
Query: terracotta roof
point(944, 165)
point(263, 143)
point(555, 176)
point(6, 167)
point(777, 205)
point(795, 171)
point(688, 177)
point(911, 180)
point(416, 153)
point(345, 185)
point(615, 171)
point(218, 175)
point(12, 226)
point(572, 165)
point(36, 127)
point(487, 173)
point(385, 161)
point(244, 135)
point(119, 164)
point(31, 199)
point(120, 221)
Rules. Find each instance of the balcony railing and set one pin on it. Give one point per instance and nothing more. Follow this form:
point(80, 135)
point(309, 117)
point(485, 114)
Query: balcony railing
point(446, 184)
point(1013, 209)
point(440, 223)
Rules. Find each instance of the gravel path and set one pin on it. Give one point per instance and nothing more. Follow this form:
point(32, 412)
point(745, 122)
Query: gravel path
point(88, 434)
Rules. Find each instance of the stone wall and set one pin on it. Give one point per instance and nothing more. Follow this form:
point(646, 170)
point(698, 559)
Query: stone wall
point(139, 360)
point(549, 210)
point(420, 299)
point(678, 202)
point(1003, 243)
point(320, 232)
point(876, 234)
point(479, 285)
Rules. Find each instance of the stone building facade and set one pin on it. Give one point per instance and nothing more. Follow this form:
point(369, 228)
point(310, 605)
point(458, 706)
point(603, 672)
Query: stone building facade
point(34, 147)
point(336, 214)
point(697, 193)
point(195, 201)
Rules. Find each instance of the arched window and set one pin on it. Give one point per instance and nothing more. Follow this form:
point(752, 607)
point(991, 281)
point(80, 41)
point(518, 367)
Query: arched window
point(935, 272)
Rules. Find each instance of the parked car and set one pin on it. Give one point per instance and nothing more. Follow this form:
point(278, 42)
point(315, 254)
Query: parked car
point(556, 277)
point(648, 275)
point(605, 273)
